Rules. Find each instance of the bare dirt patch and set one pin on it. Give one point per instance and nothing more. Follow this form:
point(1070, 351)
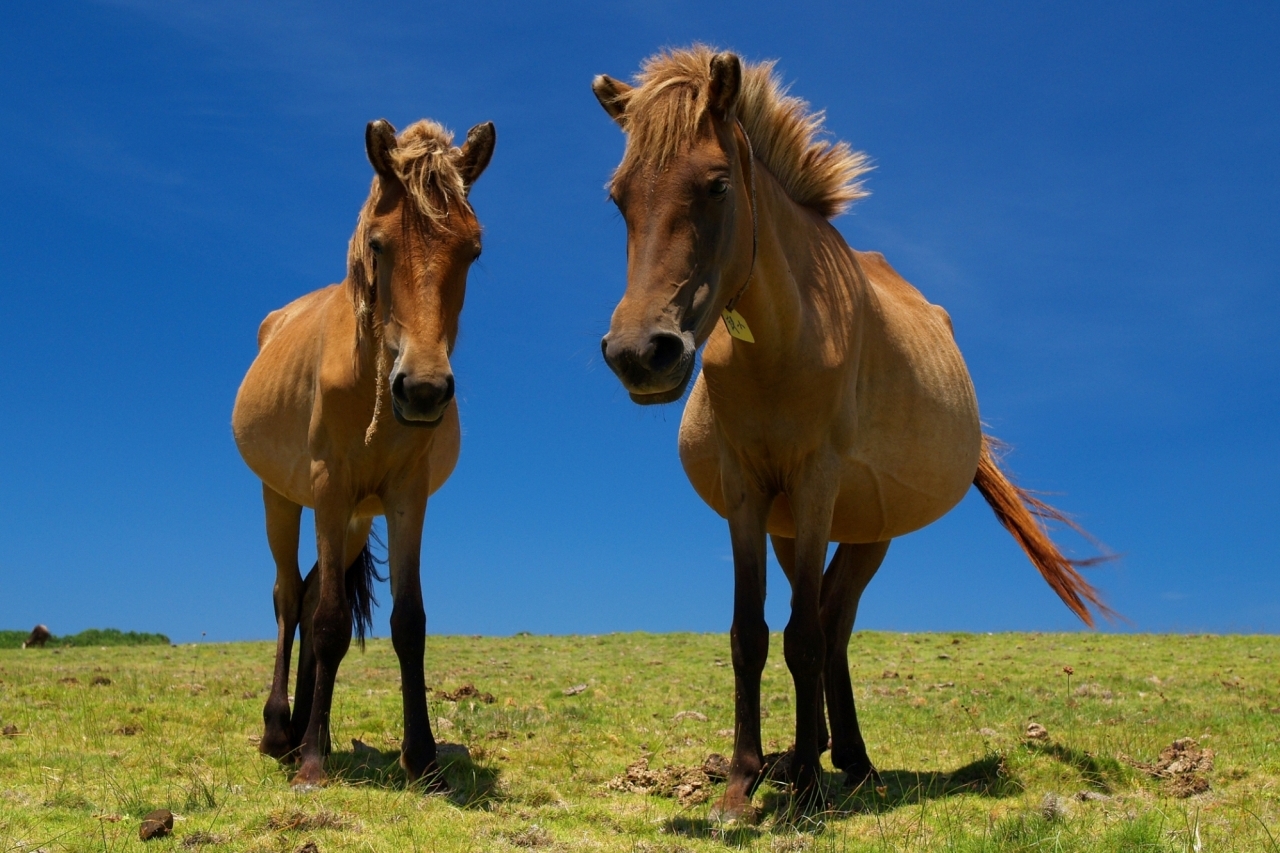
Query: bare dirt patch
point(1182, 766)
point(466, 691)
point(687, 785)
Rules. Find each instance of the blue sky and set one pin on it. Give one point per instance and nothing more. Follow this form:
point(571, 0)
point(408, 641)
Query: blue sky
point(1091, 190)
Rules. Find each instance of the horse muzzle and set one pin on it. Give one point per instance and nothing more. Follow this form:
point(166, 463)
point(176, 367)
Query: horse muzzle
point(655, 369)
point(421, 402)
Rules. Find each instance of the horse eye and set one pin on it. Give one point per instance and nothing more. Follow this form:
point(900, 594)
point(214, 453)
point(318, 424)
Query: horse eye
point(375, 245)
point(719, 187)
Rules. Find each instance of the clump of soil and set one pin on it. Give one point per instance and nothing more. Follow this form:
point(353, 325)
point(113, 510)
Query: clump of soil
point(716, 767)
point(1182, 765)
point(688, 785)
point(466, 691)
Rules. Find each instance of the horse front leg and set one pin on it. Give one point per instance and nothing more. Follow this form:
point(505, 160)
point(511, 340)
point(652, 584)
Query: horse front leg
point(283, 521)
point(405, 515)
point(850, 571)
point(748, 513)
point(331, 624)
point(812, 504)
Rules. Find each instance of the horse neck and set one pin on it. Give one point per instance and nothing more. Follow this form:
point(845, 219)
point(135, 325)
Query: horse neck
point(792, 245)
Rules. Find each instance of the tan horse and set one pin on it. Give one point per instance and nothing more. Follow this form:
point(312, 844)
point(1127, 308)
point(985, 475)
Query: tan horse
point(850, 417)
point(313, 422)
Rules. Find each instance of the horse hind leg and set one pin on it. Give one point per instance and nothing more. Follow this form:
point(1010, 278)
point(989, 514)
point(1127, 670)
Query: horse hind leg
point(851, 569)
point(360, 574)
point(330, 628)
point(785, 550)
point(283, 518)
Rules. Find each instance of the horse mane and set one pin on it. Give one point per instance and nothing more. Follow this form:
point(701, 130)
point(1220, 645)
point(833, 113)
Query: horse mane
point(669, 102)
point(424, 160)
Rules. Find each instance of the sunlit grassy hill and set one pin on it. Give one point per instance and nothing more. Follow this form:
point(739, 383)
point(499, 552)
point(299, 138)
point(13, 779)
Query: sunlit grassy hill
point(96, 738)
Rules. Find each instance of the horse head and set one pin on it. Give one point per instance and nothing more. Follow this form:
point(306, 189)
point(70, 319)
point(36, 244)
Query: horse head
point(416, 239)
point(685, 190)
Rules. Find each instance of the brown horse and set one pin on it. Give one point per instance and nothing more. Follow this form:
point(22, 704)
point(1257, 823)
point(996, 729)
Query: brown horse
point(312, 421)
point(833, 404)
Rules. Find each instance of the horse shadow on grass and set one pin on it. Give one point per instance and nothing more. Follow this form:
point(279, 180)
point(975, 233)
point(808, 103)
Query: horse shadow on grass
point(986, 777)
point(1100, 774)
point(471, 785)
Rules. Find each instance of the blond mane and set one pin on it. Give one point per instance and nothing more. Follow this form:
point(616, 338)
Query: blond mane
point(669, 101)
point(426, 162)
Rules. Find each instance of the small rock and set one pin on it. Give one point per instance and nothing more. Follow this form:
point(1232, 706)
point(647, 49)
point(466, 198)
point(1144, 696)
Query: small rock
point(158, 824)
point(1035, 731)
point(37, 638)
point(691, 715)
point(574, 690)
point(10, 730)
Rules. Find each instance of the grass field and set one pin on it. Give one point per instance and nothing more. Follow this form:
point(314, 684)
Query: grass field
point(97, 737)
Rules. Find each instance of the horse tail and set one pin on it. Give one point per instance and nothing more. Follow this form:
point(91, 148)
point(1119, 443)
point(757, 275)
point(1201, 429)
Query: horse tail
point(360, 576)
point(1023, 515)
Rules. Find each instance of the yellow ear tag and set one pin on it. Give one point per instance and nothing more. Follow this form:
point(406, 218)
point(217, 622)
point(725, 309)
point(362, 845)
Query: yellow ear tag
point(737, 326)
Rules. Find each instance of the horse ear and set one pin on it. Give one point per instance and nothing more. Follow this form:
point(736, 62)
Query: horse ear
point(379, 142)
point(726, 83)
point(476, 152)
point(612, 95)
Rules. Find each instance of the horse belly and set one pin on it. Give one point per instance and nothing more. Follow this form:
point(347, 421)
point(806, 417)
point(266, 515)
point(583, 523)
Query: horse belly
point(271, 422)
point(882, 494)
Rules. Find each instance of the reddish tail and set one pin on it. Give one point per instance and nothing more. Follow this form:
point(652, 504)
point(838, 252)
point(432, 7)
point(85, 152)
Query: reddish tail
point(1022, 514)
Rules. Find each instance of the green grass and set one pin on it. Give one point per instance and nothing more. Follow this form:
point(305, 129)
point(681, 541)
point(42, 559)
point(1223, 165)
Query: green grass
point(175, 727)
point(88, 637)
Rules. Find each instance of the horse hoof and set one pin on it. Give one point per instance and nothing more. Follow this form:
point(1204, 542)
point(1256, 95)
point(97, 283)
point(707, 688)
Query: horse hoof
point(728, 812)
point(310, 777)
point(276, 746)
point(858, 776)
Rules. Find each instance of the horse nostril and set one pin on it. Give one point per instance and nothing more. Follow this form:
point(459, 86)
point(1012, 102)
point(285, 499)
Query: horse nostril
point(397, 386)
point(448, 389)
point(604, 347)
point(667, 350)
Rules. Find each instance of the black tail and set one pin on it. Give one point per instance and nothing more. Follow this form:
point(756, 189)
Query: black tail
point(361, 574)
